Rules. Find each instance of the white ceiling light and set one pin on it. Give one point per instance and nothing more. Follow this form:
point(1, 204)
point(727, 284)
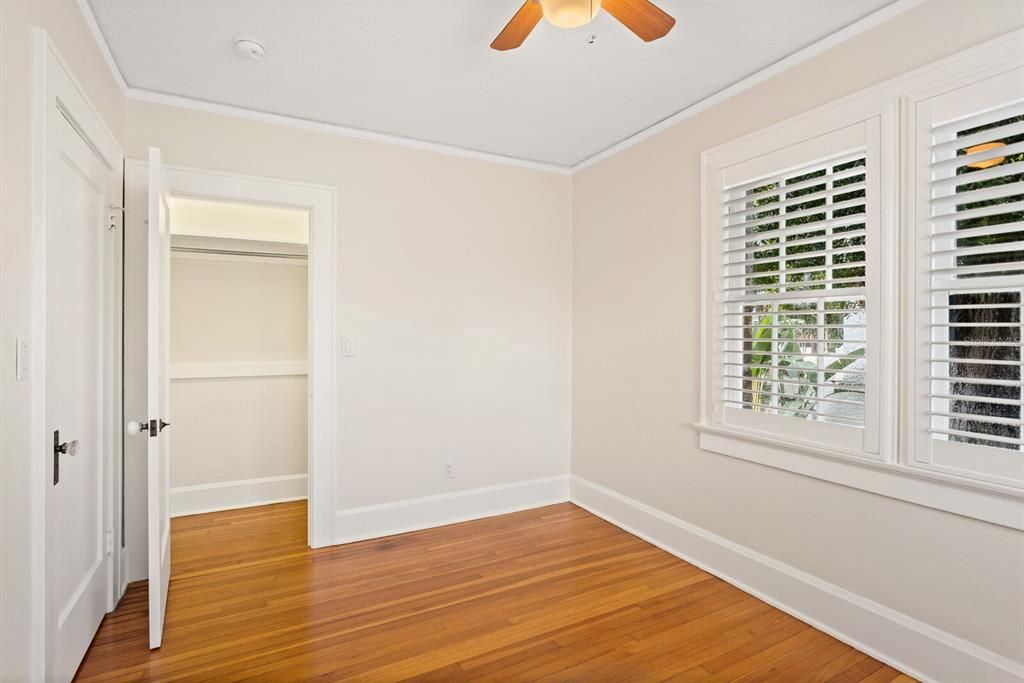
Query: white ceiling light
point(570, 13)
point(253, 49)
point(642, 17)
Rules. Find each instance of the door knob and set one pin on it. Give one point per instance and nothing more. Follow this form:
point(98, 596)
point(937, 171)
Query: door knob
point(68, 447)
point(163, 426)
point(136, 427)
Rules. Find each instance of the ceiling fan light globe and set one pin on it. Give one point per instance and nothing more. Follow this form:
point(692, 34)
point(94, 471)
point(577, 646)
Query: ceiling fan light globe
point(570, 13)
point(984, 147)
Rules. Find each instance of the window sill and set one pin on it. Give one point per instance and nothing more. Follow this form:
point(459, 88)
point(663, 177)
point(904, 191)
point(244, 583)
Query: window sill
point(987, 502)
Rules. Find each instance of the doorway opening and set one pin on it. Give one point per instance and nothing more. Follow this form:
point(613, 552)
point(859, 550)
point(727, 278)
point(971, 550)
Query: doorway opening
point(238, 274)
point(238, 355)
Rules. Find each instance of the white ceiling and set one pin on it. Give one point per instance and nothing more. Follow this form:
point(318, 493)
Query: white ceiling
point(423, 69)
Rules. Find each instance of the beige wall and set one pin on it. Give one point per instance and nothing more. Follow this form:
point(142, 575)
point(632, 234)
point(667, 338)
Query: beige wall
point(64, 22)
point(454, 283)
point(635, 361)
point(457, 283)
point(233, 429)
point(231, 311)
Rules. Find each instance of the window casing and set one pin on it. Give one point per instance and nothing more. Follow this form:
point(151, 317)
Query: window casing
point(796, 292)
point(969, 197)
point(863, 289)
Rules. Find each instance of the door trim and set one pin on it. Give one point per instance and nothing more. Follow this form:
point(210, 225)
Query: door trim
point(321, 203)
point(56, 92)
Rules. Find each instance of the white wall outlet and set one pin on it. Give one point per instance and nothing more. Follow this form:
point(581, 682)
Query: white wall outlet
point(348, 347)
point(449, 469)
point(21, 359)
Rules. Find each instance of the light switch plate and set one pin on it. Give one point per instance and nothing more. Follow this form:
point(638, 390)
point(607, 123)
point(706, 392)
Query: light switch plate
point(21, 360)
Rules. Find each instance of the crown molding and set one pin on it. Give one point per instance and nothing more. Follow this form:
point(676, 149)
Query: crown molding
point(101, 42)
point(842, 35)
point(142, 95)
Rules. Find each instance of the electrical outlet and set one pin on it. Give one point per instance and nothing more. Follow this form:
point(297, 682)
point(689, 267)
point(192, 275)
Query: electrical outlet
point(449, 469)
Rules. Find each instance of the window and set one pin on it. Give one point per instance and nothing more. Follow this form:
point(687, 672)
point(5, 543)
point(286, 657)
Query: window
point(971, 242)
point(795, 279)
point(863, 289)
point(795, 289)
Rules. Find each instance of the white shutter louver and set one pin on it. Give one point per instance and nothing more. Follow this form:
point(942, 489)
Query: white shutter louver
point(976, 279)
point(794, 292)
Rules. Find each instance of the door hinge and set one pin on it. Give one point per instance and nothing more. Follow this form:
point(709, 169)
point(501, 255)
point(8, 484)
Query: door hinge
point(108, 542)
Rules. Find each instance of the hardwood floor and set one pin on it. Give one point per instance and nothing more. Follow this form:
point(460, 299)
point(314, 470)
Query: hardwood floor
point(550, 594)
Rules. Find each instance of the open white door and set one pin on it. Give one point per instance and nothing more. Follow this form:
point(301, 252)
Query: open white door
point(158, 395)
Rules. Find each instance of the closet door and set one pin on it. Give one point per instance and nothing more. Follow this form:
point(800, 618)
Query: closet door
point(158, 396)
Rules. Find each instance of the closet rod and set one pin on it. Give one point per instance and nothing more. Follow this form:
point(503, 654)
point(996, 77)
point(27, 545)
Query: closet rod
point(235, 252)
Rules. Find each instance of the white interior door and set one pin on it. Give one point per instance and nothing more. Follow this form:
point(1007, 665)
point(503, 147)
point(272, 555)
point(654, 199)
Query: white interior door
point(158, 395)
point(76, 534)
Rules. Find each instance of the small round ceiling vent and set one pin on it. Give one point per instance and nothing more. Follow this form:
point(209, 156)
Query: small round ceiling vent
point(253, 49)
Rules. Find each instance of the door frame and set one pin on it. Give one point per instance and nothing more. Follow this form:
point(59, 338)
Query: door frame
point(56, 92)
point(320, 202)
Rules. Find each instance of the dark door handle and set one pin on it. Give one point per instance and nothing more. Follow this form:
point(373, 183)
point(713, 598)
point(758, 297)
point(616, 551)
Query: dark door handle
point(69, 447)
point(163, 425)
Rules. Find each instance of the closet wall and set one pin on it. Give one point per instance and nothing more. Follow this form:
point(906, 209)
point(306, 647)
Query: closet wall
point(238, 369)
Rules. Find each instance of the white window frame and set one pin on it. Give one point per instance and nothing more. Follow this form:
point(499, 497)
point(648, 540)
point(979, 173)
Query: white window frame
point(922, 450)
point(891, 470)
point(796, 147)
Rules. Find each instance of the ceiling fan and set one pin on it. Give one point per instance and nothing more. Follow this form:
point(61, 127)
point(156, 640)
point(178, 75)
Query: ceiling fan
point(640, 16)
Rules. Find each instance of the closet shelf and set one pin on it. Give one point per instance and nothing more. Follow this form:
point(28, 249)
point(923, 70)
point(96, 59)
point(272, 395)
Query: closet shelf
point(225, 370)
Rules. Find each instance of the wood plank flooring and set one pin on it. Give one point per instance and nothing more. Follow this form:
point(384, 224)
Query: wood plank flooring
point(552, 594)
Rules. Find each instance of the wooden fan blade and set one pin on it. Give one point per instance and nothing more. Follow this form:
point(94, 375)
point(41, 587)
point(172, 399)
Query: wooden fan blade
point(641, 17)
point(519, 27)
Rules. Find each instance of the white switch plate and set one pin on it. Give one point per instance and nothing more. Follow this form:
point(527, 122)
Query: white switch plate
point(21, 359)
point(449, 469)
point(348, 347)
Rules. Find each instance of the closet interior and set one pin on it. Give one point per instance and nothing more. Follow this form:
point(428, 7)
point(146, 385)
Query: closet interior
point(239, 326)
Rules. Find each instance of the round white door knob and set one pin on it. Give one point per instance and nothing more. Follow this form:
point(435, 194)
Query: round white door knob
point(134, 428)
point(70, 447)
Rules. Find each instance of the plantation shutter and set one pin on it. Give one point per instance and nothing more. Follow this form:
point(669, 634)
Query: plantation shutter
point(794, 293)
point(973, 205)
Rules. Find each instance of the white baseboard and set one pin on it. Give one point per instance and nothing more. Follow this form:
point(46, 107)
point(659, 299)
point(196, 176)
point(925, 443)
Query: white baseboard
point(922, 651)
point(229, 495)
point(375, 521)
